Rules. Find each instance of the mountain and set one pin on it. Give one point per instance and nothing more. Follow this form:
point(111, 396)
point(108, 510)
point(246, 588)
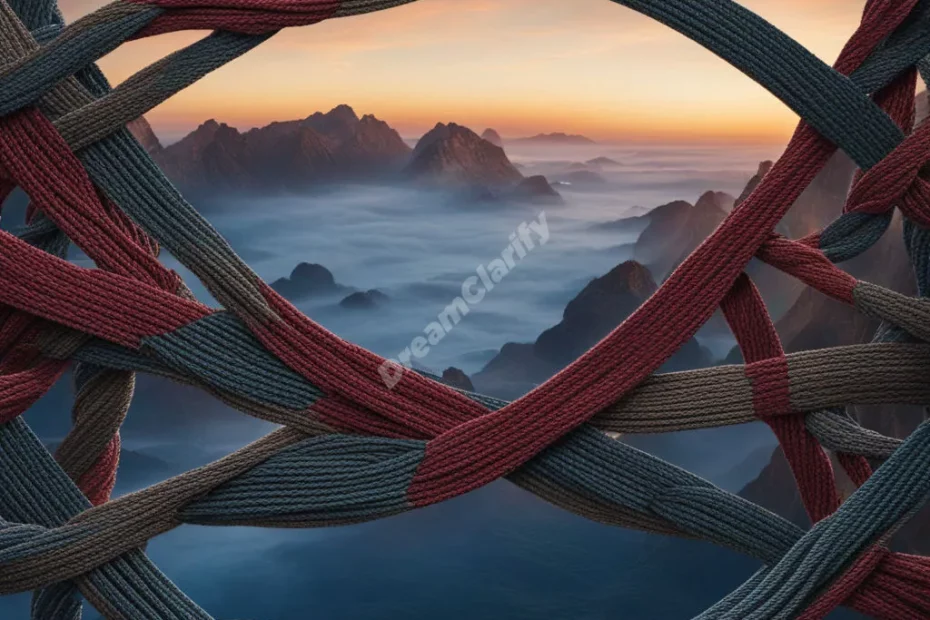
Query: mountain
point(309, 280)
point(492, 136)
point(450, 154)
point(364, 300)
point(291, 155)
point(670, 232)
point(535, 189)
point(703, 218)
point(603, 162)
point(558, 138)
point(591, 315)
point(763, 170)
point(675, 229)
point(142, 131)
point(457, 378)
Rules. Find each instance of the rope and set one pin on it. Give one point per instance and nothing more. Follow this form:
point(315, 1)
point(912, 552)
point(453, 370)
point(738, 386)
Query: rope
point(351, 449)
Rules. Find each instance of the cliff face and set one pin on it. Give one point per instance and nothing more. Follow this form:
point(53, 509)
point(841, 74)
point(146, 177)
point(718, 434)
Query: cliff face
point(288, 155)
point(676, 229)
point(142, 132)
point(591, 315)
point(535, 189)
point(763, 170)
point(450, 154)
point(663, 225)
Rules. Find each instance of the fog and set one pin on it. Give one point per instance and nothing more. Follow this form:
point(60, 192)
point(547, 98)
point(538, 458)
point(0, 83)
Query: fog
point(497, 552)
point(418, 246)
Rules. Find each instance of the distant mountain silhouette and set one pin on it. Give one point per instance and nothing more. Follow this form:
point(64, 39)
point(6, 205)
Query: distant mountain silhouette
point(309, 280)
point(587, 318)
point(338, 146)
point(458, 379)
point(603, 162)
point(492, 136)
point(291, 155)
point(364, 300)
point(675, 229)
point(535, 189)
point(558, 138)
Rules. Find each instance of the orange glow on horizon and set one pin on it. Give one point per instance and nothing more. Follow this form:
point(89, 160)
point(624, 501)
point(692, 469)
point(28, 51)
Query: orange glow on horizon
point(520, 66)
point(514, 121)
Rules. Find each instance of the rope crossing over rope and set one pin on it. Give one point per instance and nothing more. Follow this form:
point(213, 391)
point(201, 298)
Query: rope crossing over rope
point(351, 449)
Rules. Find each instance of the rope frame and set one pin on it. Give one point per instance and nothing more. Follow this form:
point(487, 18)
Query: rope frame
point(353, 449)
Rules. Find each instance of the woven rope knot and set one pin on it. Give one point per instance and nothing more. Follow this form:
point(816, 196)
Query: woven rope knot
point(897, 181)
point(62, 141)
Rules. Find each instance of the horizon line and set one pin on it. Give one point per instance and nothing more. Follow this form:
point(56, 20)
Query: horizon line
point(170, 132)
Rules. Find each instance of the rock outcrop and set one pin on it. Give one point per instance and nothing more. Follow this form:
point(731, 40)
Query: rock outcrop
point(308, 280)
point(763, 170)
point(453, 155)
point(289, 155)
point(457, 379)
point(364, 300)
point(535, 189)
point(677, 228)
point(590, 316)
point(142, 131)
point(703, 218)
point(493, 137)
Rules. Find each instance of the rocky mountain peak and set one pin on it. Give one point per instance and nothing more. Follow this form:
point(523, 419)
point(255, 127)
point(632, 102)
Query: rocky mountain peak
point(628, 281)
point(453, 154)
point(492, 136)
point(442, 131)
point(600, 306)
point(338, 124)
point(142, 131)
point(285, 155)
point(714, 203)
point(307, 280)
point(763, 170)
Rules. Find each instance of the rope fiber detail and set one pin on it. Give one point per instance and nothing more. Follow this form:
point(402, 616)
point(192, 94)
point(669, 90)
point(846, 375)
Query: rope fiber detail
point(354, 450)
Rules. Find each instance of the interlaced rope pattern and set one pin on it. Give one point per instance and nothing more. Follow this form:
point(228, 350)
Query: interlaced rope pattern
point(351, 449)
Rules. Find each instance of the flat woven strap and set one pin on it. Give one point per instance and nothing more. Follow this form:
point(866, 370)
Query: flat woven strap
point(354, 447)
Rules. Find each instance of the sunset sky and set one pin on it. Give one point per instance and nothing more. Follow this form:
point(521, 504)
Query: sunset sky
point(520, 66)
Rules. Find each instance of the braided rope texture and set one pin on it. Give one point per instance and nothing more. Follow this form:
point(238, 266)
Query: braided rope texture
point(352, 449)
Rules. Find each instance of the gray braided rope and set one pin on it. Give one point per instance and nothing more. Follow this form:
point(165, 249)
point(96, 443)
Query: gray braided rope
point(877, 302)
